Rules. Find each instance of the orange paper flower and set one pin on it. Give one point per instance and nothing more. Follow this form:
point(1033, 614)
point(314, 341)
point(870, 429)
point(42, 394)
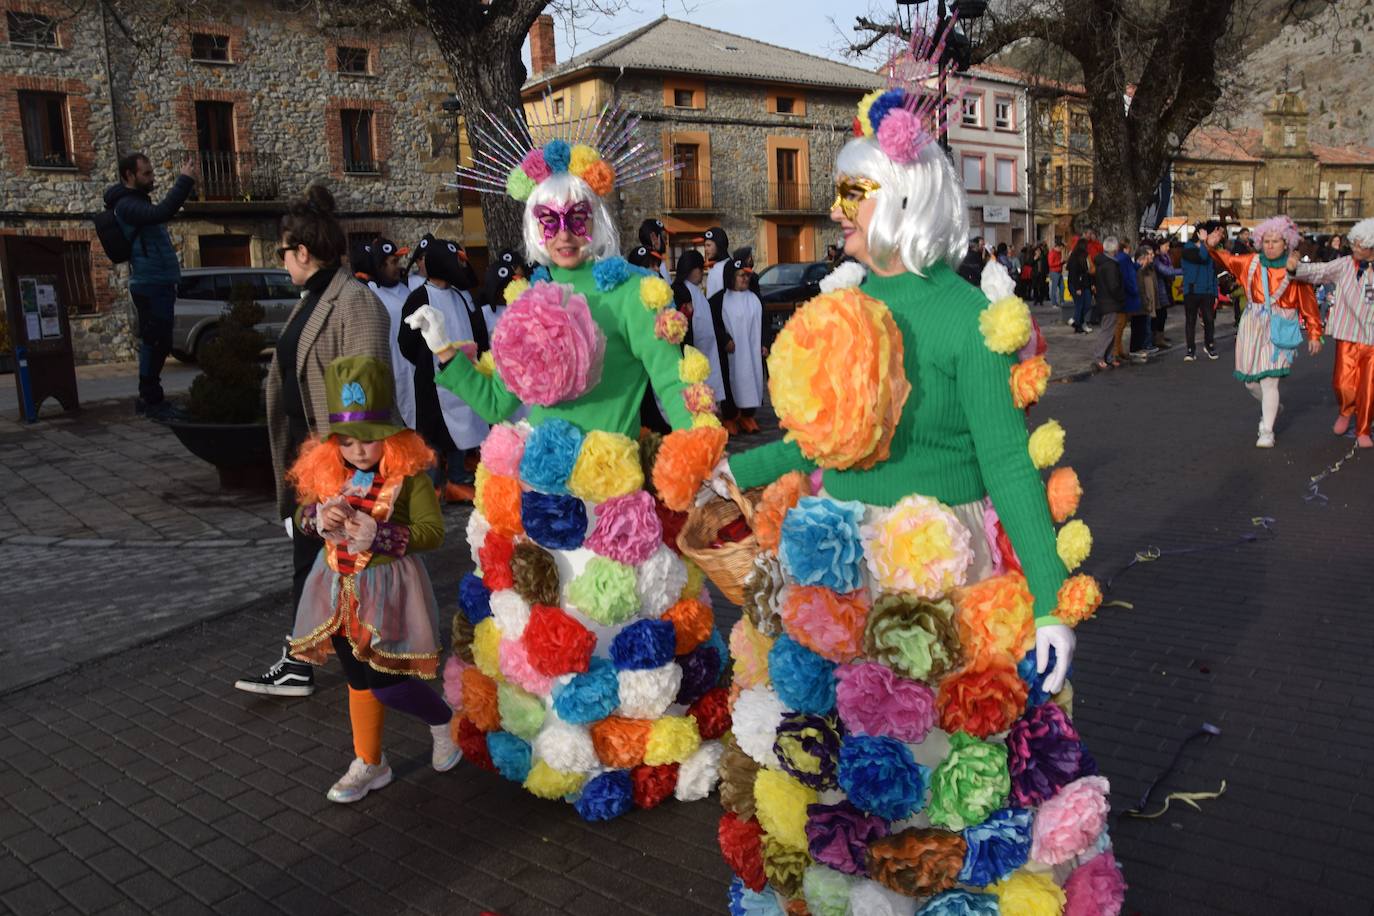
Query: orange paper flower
point(600, 177)
point(692, 622)
point(995, 616)
point(502, 505)
point(1079, 598)
point(621, 742)
point(1028, 380)
point(479, 700)
point(1063, 491)
point(779, 496)
point(983, 699)
point(685, 459)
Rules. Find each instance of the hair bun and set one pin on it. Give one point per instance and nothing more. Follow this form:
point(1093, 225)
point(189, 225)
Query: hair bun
point(317, 197)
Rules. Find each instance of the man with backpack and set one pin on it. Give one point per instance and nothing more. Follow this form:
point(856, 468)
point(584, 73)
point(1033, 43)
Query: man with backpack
point(134, 229)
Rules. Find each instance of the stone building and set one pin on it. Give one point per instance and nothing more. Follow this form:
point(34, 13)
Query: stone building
point(1250, 174)
point(267, 101)
point(754, 127)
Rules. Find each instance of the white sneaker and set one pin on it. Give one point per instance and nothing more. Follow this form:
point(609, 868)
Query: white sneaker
point(1265, 440)
point(362, 777)
point(445, 755)
point(1069, 322)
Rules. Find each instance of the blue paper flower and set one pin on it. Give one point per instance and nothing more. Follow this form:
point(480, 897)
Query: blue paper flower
point(744, 902)
point(474, 598)
point(540, 273)
point(889, 100)
point(644, 644)
point(554, 522)
point(550, 453)
point(510, 754)
point(821, 545)
point(557, 155)
point(606, 796)
point(610, 273)
point(805, 681)
point(997, 847)
point(700, 671)
point(1035, 683)
point(880, 776)
point(717, 642)
point(588, 697)
point(960, 903)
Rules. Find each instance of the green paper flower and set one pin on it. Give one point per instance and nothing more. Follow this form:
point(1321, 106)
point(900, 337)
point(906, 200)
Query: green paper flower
point(522, 713)
point(970, 784)
point(518, 184)
point(826, 891)
point(605, 591)
point(912, 636)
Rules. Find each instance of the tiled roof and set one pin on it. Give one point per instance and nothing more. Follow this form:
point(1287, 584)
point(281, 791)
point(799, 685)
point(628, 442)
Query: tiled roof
point(672, 46)
point(1246, 145)
point(1342, 155)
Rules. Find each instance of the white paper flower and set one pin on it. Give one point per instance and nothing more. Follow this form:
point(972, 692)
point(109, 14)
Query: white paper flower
point(850, 273)
point(477, 534)
point(510, 611)
point(567, 748)
point(872, 899)
point(755, 718)
point(660, 582)
point(996, 282)
point(648, 694)
point(697, 775)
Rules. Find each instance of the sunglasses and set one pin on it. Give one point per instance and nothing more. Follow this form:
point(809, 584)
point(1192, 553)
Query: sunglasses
point(281, 252)
point(554, 220)
point(850, 192)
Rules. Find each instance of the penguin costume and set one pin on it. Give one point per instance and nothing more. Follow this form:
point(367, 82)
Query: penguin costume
point(742, 314)
point(393, 296)
point(715, 267)
point(417, 263)
point(500, 273)
point(647, 230)
point(704, 326)
point(446, 422)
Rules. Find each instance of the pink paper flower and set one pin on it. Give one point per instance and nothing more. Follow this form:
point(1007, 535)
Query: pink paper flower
point(901, 135)
point(1096, 888)
point(873, 701)
point(670, 325)
point(514, 662)
point(831, 624)
point(547, 348)
point(453, 683)
point(1068, 824)
point(627, 528)
point(502, 450)
point(534, 166)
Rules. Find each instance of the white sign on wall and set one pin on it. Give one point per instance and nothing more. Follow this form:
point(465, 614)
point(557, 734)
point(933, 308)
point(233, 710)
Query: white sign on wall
point(997, 214)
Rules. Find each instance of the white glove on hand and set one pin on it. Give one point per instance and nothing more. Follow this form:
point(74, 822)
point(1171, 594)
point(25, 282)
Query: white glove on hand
point(996, 282)
point(429, 321)
point(290, 527)
point(715, 484)
point(1059, 637)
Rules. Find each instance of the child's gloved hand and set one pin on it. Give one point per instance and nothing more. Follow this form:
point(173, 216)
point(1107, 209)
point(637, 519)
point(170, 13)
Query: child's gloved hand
point(429, 321)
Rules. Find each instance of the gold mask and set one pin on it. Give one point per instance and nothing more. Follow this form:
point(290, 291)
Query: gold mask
point(850, 192)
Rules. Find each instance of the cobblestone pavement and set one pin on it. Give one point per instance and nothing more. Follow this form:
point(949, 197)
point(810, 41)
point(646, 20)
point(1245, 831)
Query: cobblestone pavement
point(146, 783)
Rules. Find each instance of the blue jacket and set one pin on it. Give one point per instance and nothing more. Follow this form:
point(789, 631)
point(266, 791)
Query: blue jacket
point(1129, 282)
point(1199, 273)
point(154, 260)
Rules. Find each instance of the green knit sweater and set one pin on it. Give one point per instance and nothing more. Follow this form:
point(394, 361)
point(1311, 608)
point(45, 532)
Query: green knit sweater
point(960, 437)
point(634, 358)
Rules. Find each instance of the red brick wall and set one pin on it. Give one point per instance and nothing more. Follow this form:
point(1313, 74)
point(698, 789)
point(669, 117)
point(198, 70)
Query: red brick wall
point(238, 51)
point(382, 119)
point(63, 17)
point(78, 120)
point(184, 113)
point(374, 54)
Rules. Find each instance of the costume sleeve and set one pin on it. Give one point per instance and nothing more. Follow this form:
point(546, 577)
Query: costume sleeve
point(485, 394)
point(1236, 264)
point(659, 357)
point(765, 464)
point(417, 509)
point(1000, 442)
point(1321, 272)
point(1304, 298)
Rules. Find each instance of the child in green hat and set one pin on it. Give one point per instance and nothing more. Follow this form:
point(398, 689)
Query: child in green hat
point(368, 600)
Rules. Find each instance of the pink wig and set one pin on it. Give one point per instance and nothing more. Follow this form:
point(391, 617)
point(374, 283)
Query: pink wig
point(1282, 226)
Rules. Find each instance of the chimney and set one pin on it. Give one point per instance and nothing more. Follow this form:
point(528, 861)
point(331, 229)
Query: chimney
point(543, 55)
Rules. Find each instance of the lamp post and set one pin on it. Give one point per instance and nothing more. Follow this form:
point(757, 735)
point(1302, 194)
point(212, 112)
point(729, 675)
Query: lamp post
point(958, 49)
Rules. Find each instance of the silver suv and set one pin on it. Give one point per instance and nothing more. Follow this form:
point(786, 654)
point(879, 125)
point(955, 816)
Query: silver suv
point(204, 294)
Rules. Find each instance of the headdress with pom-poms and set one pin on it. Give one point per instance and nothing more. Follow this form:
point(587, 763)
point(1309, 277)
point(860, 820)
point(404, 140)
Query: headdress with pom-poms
point(603, 148)
point(910, 114)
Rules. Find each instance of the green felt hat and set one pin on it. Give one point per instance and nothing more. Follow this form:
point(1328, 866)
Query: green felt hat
point(359, 391)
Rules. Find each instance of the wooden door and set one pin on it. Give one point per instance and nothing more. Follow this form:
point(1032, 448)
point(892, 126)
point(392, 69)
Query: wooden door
point(215, 144)
point(225, 251)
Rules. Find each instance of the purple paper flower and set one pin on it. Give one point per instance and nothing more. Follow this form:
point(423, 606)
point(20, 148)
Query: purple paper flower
point(1044, 754)
point(700, 671)
point(838, 835)
point(808, 746)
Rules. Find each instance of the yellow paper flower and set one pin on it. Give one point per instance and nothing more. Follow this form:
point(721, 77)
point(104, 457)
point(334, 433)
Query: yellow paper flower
point(1063, 492)
point(1078, 599)
point(1029, 379)
point(696, 580)
point(608, 465)
point(866, 103)
point(780, 805)
point(995, 616)
point(694, 367)
point(672, 740)
point(479, 501)
point(514, 289)
point(581, 159)
point(1006, 325)
point(655, 293)
point(841, 411)
point(1029, 894)
point(1074, 542)
point(918, 547)
point(749, 654)
point(546, 782)
point(486, 648)
point(705, 421)
point(1047, 444)
point(486, 364)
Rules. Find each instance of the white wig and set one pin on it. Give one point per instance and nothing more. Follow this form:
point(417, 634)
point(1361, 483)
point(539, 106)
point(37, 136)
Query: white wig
point(921, 214)
point(1362, 233)
point(563, 189)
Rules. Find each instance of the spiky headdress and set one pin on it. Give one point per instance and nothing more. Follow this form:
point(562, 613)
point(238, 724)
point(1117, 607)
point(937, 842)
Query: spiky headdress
point(602, 148)
point(910, 113)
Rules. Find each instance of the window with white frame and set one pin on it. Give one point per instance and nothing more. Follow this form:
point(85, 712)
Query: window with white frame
point(1003, 113)
point(1006, 176)
point(973, 172)
point(972, 111)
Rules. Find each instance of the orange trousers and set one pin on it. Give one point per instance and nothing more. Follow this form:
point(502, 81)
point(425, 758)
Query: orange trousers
point(1353, 381)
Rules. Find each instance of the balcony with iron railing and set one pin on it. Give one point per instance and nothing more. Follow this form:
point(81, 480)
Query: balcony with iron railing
point(1301, 209)
point(235, 176)
point(795, 197)
point(687, 194)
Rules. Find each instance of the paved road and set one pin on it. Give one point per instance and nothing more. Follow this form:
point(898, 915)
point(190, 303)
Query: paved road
point(145, 783)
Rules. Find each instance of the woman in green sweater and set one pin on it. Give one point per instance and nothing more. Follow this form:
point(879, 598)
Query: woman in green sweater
point(581, 628)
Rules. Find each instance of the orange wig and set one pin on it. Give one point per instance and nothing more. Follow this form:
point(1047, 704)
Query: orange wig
point(320, 471)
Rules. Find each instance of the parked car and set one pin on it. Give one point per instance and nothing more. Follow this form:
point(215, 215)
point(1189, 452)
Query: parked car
point(204, 294)
point(783, 287)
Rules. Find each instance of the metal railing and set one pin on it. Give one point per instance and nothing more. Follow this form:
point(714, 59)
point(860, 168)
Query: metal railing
point(1302, 209)
point(687, 193)
point(236, 176)
point(795, 197)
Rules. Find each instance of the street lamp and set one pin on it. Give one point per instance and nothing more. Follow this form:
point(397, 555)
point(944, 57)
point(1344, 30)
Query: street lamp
point(958, 48)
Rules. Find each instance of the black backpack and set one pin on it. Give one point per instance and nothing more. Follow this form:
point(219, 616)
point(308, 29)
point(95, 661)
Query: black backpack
point(118, 246)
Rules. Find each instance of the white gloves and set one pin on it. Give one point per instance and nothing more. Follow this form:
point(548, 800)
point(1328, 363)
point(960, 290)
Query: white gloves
point(997, 283)
point(715, 484)
point(430, 323)
point(290, 527)
point(1060, 638)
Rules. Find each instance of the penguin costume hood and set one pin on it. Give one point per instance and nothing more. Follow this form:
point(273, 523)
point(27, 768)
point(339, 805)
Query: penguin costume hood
point(643, 256)
point(717, 235)
point(500, 273)
point(647, 229)
point(421, 249)
point(442, 262)
point(378, 250)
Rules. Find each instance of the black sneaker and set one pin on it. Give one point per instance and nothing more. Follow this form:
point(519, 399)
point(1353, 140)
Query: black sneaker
point(1212, 353)
point(289, 677)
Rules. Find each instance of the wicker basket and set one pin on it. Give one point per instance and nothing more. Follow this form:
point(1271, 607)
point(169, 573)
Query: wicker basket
point(727, 565)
